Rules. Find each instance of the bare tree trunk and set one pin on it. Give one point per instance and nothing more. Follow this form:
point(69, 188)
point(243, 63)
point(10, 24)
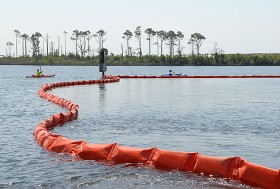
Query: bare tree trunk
point(52, 49)
point(25, 47)
point(85, 46)
point(47, 48)
point(81, 47)
point(197, 49)
point(102, 42)
point(100, 45)
point(127, 47)
point(16, 46)
point(47, 41)
point(170, 47)
point(43, 50)
point(58, 46)
point(140, 48)
point(149, 46)
point(122, 50)
point(157, 46)
point(179, 46)
point(76, 47)
point(161, 42)
point(65, 42)
point(88, 48)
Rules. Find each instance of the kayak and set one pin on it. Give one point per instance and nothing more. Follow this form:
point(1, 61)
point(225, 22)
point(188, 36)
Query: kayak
point(170, 75)
point(43, 76)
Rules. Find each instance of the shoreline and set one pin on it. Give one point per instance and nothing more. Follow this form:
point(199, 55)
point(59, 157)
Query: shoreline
point(59, 64)
point(117, 60)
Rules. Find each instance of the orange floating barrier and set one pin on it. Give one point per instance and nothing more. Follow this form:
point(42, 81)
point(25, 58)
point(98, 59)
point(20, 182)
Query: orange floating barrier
point(98, 152)
point(218, 166)
point(171, 160)
point(234, 168)
point(40, 135)
point(38, 129)
point(126, 154)
point(63, 145)
point(260, 176)
point(47, 140)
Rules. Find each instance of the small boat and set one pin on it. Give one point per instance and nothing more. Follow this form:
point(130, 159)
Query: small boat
point(43, 76)
point(171, 75)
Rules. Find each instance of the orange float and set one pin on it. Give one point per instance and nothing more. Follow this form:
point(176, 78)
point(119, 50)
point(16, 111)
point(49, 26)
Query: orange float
point(234, 168)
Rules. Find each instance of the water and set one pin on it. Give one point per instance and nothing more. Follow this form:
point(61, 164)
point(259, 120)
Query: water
point(219, 117)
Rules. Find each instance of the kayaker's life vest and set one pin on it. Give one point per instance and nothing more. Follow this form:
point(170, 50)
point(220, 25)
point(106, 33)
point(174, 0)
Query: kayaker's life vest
point(38, 74)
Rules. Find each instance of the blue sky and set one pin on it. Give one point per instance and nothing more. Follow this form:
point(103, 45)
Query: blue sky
point(237, 26)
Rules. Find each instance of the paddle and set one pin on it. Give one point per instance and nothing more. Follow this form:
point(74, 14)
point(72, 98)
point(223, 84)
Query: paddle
point(41, 70)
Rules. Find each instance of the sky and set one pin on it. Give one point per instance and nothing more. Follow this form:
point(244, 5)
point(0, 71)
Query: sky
point(235, 26)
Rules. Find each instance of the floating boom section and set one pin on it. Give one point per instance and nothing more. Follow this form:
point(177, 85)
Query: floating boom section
point(235, 168)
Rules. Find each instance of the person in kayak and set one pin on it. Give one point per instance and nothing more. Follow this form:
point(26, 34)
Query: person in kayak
point(38, 73)
point(171, 73)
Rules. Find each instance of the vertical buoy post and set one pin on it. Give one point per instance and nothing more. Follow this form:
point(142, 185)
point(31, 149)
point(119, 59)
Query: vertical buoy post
point(102, 62)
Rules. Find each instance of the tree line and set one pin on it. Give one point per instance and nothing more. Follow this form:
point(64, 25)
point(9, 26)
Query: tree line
point(45, 51)
point(82, 42)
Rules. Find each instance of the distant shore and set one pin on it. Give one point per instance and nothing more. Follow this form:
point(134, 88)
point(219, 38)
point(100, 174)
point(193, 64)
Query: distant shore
point(214, 59)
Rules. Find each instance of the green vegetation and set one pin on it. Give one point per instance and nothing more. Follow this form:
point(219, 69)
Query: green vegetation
point(215, 59)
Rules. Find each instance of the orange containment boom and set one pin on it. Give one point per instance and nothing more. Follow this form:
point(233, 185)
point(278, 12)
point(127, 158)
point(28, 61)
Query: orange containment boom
point(234, 168)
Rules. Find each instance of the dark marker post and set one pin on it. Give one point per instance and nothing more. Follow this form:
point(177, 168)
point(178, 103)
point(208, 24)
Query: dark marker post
point(102, 62)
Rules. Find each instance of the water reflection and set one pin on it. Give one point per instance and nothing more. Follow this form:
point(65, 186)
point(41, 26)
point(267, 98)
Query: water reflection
point(102, 93)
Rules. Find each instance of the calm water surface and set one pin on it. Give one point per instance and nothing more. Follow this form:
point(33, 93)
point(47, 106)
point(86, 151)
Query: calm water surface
point(217, 117)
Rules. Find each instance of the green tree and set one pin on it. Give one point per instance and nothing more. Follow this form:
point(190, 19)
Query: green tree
point(157, 43)
point(196, 41)
point(138, 35)
point(24, 37)
point(105, 50)
point(171, 37)
point(9, 44)
point(276, 61)
point(82, 42)
point(99, 36)
point(127, 36)
point(74, 38)
point(180, 37)
point(35, 42)
point(237, 60)
point(86, 37)
point(17, 34)
point(218, 56)
point(150, 34)
point(162, 37)
point(80, 39)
